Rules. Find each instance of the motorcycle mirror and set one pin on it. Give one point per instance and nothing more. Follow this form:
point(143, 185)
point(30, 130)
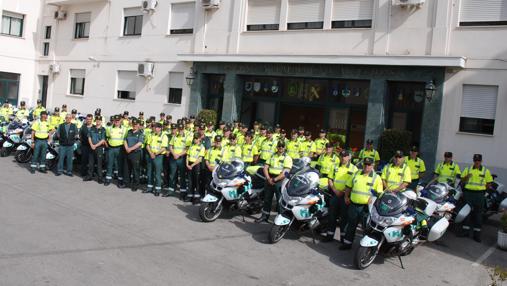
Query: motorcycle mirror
point(287, 174)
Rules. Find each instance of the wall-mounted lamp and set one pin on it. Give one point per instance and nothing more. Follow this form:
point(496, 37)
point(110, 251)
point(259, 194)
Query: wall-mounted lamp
point(429, 90)
point(190, 77)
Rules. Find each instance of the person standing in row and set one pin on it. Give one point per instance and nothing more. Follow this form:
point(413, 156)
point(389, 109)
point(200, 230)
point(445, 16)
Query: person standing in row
point(178, 149)
point(67, 134)
point(133, 146)
point(369, 152)
point(115, 136)
point(85, 146)
point(417, 167)
point(38, 109)
point(156, 148)
point(194, 158)
point(97, 142)
point(447, 171)
point(249, 152)
point(396, 175)
point(41, 132)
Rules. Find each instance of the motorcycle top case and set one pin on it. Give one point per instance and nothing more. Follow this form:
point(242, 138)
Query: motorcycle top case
point(438, 229)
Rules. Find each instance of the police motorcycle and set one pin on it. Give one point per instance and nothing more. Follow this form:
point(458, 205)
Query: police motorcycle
point(3, 131)
point(396, 224)
point(301, 205)
point(16, 130)
point(24, 151)
point(496, 201)
point(231, 186)
point(445, 197)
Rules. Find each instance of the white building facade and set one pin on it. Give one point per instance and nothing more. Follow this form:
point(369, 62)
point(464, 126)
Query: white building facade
point(356, 66)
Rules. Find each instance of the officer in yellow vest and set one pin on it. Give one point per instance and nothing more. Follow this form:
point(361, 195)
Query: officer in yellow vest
point(260, 137)
point(125, 122)
point(195, 156)
point(321, 142)
point(115, 136)
point(359, 189)
point(293, 145)
point(6, 112)
point(341, 173)
point(22, 111)
point(396, 175)
point(213, 155)
point(75, 119)
point(249, 152)
point(63, 112)
point(476, 180)
point(308, 148)
point(156, 148)
point(41, 130)
point(55, 120)
point(447, 171)
point(275, 169)
point(178, 149)
point(327, 161)
point(417, 167)
point(38, 109)
point(369, 152)
point(268, 147)
point(231, 151)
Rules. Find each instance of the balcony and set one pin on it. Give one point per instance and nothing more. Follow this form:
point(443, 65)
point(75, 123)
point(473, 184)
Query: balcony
point(71, 2)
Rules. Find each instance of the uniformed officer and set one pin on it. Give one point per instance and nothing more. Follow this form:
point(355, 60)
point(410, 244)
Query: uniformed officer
point(369, 152)
point(115, 135)
point(97, 142)
point(212, 156)
point(231, 151)
point(268, 147)
point(220, 130)
point(75, 119)
point(178, 149)
point(308, 148)
point(67, 134)
point(63, 112)
point(476, 180)
point(133, 146)
point(417, 167)
point(294, 145)
point(156, 149)
point(162, 118)
point(249, 152)
point(358, 191)
point(85, 146)
point(321, 142)
point(275, 170)
point(327, 161)
point(6, 111)
point(55, 120)
point(41, 132)
point(447, 171)
point(38, 109)
point(341, 173)
point(125, 122)
point(22, 112)
point(195, 156)
point(396, 175)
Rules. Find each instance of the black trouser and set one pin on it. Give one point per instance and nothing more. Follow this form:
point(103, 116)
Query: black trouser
point(413, 184)
point(206, 181)
point(337, 209)
point(355, 214)
point(269, 192)
point(476, 200)
point(85, 154)
point(165, 168)
point(193, 182)
point(132, 168)
point(96, 156)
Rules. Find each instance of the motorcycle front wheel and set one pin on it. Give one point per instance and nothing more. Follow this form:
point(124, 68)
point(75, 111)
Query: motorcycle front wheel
point(208, 213)
point(23, 156)
point(364, 257)
point(277, 232)
point(4, 152)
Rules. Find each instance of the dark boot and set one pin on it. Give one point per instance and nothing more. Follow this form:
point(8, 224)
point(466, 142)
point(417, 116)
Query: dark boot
point(87, 179)
point(263, 218)
point(345, 246)
point(107, 183)
point(477, 236)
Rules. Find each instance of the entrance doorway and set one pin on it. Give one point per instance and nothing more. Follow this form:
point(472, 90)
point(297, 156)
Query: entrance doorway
point(43, 89)
point(293, 116)
point(215, 94)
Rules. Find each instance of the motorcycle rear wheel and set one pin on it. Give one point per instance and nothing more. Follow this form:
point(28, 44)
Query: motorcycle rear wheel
point(278, 232)
point(364, 257)
point(23, 156)
point(207, 213)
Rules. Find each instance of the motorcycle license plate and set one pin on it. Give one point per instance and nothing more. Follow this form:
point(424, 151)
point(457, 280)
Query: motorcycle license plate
point(21, 148)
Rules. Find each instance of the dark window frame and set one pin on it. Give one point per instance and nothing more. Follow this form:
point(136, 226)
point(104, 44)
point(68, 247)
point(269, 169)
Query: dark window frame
point(47, 32)
point(80, 29)
point(317, 25)
point(182, 31)
point(482, 23)
point(45, 49)
point(352, 24)
point(10, 26)
point(74, 85)
point(263, 27)
point(126, 95)
point(136, 31)
point(476, 125)
point(175, 95)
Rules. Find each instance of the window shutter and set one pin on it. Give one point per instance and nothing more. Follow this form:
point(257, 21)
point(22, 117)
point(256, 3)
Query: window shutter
point(127, 80)
point(13, 15)
point(182, 16)
point(78, 73)
point(306, 11)
point(346, 10)
point(262, 12)
point(83, 17)
point(136, 11)
point(479, 101)
point(483, 11)
point(175, 80)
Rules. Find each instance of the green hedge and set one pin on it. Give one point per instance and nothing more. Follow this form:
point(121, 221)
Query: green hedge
point(392, 140)
point(208, 115)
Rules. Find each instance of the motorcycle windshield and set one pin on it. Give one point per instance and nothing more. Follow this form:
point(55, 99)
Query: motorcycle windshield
point(229, 171)
point(437, 193)
point(391, 204)
point(302, 184)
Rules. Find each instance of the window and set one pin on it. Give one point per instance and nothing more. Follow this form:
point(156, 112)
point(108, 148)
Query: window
point(175, 87)
point(483, 13)
point(12, 24)
point(182, 18)
point(306, 14)
point(133, 22)
point(9, 87)
point(45, 49)
point(77, 81)
point(352, 14)
point(47, 33)
point(478, 109)
point(82, 30)
point(263, 15)
point(127, 85)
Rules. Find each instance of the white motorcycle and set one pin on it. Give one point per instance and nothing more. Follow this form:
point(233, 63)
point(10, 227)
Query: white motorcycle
point(393, 226)
point(445, 198)
point(230, 187)
point(300, 204)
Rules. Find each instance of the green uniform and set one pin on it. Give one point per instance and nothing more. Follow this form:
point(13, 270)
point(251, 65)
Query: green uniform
point(395, 175)
point(158, 144)
point(41, 129)
point(133, 164)
point(115, 137)
point(276, 164)
point(473, 194)
point(177, 167)
point(195, 153)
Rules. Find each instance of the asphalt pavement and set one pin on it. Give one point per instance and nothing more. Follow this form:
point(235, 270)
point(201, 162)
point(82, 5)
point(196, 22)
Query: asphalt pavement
point(63, 231)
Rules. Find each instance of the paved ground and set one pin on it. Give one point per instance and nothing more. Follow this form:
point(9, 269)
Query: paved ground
point(62, 231)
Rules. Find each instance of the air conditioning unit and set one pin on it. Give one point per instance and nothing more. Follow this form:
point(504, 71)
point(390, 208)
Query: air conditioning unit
point(210, 4)
point(54, 68)
point(145, 69)
point(408, 2)
point(149, 5)
point(60, 15)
